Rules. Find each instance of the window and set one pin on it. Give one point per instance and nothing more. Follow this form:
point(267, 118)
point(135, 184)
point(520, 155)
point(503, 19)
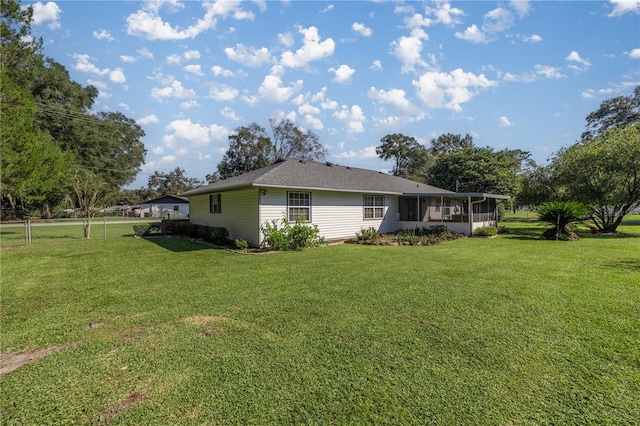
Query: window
point(373, 206)
point(299, 204)
point(215, 203)
point(176, 208)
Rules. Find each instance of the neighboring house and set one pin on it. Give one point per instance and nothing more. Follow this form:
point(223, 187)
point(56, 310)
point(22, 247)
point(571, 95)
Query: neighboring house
point(167, 206)
point(339, 200)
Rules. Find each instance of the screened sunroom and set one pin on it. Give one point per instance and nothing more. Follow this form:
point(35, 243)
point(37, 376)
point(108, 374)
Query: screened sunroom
point(460, 212)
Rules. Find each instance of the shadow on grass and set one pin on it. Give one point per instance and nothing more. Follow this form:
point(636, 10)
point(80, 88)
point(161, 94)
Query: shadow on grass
point(631, 265)
point(179, 245)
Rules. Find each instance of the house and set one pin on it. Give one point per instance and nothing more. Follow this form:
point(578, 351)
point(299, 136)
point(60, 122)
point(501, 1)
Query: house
point(167, 206)
point(339, 200)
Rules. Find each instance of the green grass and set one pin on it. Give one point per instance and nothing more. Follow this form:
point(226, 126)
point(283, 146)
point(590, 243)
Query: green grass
point(511, 330)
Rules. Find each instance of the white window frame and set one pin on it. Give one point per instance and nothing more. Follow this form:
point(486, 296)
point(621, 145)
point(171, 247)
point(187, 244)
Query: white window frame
point(297, 204)
point(215, 203)
point(372, 207)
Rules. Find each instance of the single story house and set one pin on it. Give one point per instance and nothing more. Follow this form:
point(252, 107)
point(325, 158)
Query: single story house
point(339, 200)
point(167, 206)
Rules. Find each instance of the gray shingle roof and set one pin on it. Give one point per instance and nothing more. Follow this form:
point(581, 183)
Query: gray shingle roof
point(297, 174)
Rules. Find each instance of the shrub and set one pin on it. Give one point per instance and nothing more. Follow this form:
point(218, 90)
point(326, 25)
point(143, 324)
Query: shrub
point(147, 229)
point(486, 231)
point(242, 244)
point(561, 214)
point(367, 234)
point(284, 236)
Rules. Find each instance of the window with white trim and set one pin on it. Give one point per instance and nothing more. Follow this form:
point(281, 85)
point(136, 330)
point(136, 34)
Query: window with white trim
point(373, 206)
point(299, 204)
point(215, 203)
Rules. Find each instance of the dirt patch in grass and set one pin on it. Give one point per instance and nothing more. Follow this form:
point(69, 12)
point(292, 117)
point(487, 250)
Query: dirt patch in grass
point(13, 361)
point(110, 412)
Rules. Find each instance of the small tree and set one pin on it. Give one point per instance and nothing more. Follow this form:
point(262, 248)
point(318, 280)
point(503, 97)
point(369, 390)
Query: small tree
point(560, 214)
point(91, 193)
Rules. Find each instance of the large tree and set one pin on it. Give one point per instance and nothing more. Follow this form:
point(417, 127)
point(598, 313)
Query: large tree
point(410, 158)
point(251, 148)
point(174, 183)
point(446, 143)
point(615, 112)
point(604, 174)
point(477, 169)
point(34, 168)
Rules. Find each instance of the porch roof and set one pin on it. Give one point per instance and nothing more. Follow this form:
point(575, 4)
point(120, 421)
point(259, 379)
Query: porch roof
point(457, 195)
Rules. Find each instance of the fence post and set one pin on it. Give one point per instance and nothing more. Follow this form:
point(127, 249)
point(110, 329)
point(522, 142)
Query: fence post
point(27, 224)
point(105, 225)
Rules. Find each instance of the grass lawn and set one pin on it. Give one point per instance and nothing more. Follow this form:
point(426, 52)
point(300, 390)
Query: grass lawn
point(505, 331)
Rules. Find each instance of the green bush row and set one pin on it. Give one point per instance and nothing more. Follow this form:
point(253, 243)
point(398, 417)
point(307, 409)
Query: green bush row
point(147, 229)
point(485, 231)
point(210, 234)
point(281, 235)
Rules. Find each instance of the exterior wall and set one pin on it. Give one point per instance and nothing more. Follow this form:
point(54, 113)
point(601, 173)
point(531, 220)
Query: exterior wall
point(162, 210)
point(338, 214)
point(239, 213)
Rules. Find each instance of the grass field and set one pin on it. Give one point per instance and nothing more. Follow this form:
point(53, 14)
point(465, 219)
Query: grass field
point(511, 330)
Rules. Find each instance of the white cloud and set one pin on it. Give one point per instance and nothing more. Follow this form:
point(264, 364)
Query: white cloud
point(361, 29)
point(445, 14)
point(376, 65)
point(103, 35)
point(218, 71)
point(227, 112)
point(533, 38)
point(620, 7)
point(83, 64)
point(575, 57)
point(548, 71)
point(312, 49)
point(522, 7)
point(49, 12)
point(472, 34)
point(158, 150)
point(272, 89)
point(195, 134)
point(409, 49)
point(343, 73)
point(450, 90)
point(634, 54)
point(194, 69)
point(147, 22)
point(145, 53)
point(117, 76)
point(353, 118)
point(329, 8)
point(124, 106)
point(307, 108)
point(173, 89)
point(504, 122)
point(366, 152)
point(189, 104)
point(190, 55)
point(395, 97)
point(313, 122)
point(248, 56)
point(222, 92)
point(149, 119)
point(129, 59)
point(286, 39)
point(498, 20)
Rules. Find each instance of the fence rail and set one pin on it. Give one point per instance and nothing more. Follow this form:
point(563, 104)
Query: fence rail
point(30, 231)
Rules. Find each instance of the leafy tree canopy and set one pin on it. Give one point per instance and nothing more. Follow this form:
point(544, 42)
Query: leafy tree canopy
point(410, 157)
point(447, 143)
point(250, 148)
point(173, 183)
point(615, 112)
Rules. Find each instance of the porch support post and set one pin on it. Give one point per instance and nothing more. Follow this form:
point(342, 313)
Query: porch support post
point(441, 209)
point(470, 217)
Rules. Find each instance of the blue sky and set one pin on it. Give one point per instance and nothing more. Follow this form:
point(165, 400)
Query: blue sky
point(514, 74)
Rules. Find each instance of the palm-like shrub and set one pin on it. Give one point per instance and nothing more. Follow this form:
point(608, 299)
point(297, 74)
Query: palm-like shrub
point(561, 214)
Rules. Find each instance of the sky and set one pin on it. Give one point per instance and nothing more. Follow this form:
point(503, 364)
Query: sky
point(513, 74)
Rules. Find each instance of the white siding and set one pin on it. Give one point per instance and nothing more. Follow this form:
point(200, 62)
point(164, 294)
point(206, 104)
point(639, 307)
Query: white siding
point(239, 213)
point(337, 214)
point(164, 209)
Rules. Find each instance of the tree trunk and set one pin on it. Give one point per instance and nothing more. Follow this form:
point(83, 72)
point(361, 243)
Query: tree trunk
point(87, 229)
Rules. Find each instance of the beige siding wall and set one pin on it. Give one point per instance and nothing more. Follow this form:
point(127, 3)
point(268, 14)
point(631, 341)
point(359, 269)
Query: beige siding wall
point(337, 214)
point(239, 213)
